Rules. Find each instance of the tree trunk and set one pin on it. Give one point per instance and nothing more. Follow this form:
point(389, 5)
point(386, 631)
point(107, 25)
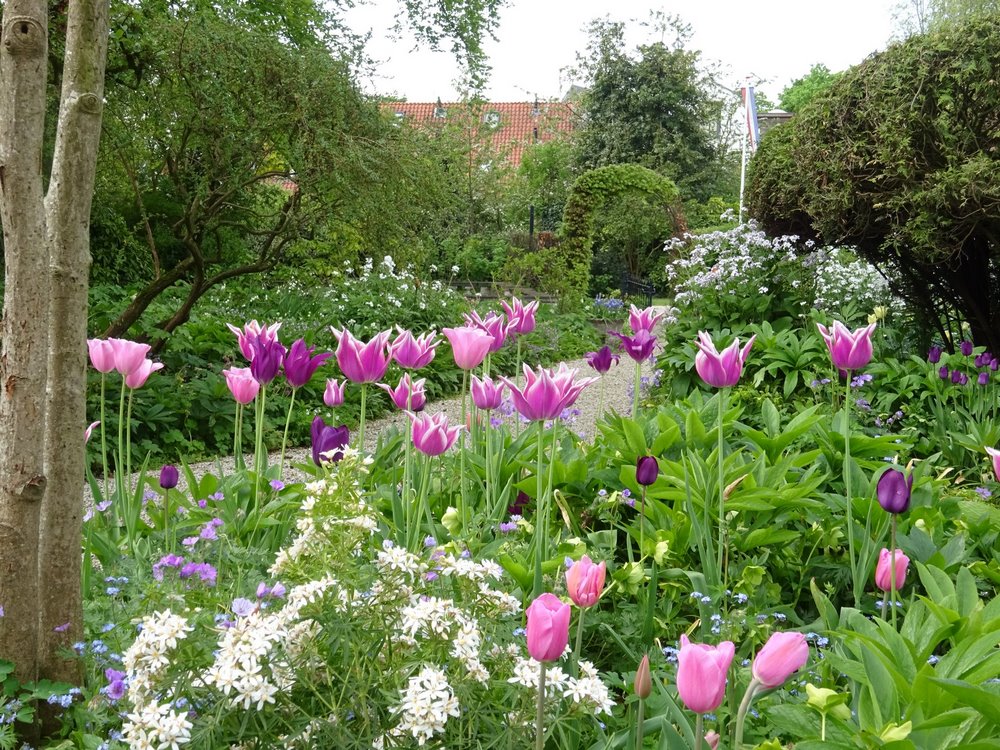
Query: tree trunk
point(68, 225)
point(145, 297)
point(23, 70)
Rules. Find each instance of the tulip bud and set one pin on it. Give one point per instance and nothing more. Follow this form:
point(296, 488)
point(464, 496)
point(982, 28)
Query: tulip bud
point(643, 684)
point(168, 477)
point(966, 347)
point(646, 470)
point(712, 740)
point(585, 582)
point(783, 654)
point(894, 491)
point(548, 628)
point(334, 393)
point(934, 354)
point(701, 674)
point(884, 569)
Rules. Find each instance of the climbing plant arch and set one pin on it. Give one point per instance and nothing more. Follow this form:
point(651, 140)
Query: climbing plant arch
point(591, 190)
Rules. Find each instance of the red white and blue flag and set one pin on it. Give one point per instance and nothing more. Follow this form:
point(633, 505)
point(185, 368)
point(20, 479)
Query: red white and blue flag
point(750, 110)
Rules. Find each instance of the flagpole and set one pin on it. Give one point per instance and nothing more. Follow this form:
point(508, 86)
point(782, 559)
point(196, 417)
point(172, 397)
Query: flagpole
point(743, 173)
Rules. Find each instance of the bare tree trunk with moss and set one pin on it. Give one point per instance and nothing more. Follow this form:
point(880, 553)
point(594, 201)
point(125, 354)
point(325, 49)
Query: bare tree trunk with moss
point(67, 214)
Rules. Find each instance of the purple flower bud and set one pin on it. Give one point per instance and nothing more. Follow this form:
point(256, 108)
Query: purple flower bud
point(934, 354)
point(646, 470)
point(894, 491)
point(168, 477)
point(944, 372)
point(327, 439)
point(956, 376)
point(966, 347)
point(602, 359)
point(984, 378)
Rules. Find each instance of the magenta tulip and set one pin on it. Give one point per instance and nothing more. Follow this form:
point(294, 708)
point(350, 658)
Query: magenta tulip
point(334, 393)
point(129, 355)
point(585, 582)
point(701, 674)
point(137, 378)
point(646, 470)
point(883, 570)
point(602, 359)
point(361, 362)
point(548, 627)
point(251, 331)
point(495, 325)
point(782, 655)
point(102, 354)
point(469, 345)
point(848, 351)
point(720, 369)
point(431, 433)
point(640, 346)
point(521, 316)
point(300, 364)
point(90, 431)
point(546, 393)
point(268, 355)
point(409, 394)
point(241, 384)
point(487, 394)
point(643, 320)
point(995, 456)
point(413, 353)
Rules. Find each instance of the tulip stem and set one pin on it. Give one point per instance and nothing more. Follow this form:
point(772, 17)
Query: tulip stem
point(722, 552)
point(641, 718)
point(847, 491)
point(539, 516)
point(892, 570)
point(461, 455)
point(579, 643)
point(128, 441)
point(540, 710)
point(699, 731)
point(124, 499)
point(258, 450)
point(741, 715)
point(642, 521)
point(238, 437)
point(104, 442)
point(284, 436)
point(635, 390)
point(600, 403)
point(361, 424)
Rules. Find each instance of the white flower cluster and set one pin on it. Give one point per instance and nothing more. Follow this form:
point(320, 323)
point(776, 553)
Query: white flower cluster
point(148, 656)
point(154, 726)
point(428, 701)
point(586, 690)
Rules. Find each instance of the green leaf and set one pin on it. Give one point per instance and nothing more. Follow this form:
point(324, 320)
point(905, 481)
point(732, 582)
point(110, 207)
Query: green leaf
point(987, 702)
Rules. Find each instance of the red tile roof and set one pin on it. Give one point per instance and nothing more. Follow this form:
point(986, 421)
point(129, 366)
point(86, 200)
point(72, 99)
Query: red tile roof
point(519, 123)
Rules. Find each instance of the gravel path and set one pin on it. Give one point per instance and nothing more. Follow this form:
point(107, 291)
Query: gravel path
point(617, 397)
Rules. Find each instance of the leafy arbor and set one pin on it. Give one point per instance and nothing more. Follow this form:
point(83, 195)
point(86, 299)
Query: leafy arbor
point(900, 159)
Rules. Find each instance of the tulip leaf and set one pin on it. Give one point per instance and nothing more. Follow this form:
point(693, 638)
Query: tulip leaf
point(766, 536)
point(937, 583)
point(968, 594)
point(826, 609)
point(987, 702)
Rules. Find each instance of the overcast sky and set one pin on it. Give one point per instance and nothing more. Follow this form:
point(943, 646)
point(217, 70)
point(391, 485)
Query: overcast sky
point(773, 40)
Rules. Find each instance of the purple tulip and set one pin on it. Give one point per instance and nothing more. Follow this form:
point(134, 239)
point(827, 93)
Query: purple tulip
point(521, 316)
point(956, 377)
point(894, 491)
point(268, 355)
point(251, 331)
point(495, 325)
point(640, 346)
point(934, 354)
point(646, 470)
point(848, 350)
point(984, 378)
point(602, 359)
point(334, 393)
point(327, 441)
point(994, 363)
point(301, 365)
point(720, 369)
point(409, 394)
point(994, 455)
point(169, 476)
point(965, 347)
point(431, 433)
point(413, 353)
point(361, 362)
point(546, 393)
point(944, 372)
point(487, 394)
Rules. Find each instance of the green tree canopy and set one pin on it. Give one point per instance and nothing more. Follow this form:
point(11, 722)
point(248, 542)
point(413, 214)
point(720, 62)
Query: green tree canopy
point(803, 90)
point(900, 159)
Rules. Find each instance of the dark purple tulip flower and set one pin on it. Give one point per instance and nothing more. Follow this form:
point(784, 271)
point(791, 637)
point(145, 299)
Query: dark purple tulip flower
point(956, 377)
point(963, 379)
point(894, 491)
point(300, 364)
point(934, 354)
point(639, 347)
point(326, 438)
point(944, 372)
point(994, 363)
point(966, 347)
point(602, 359)
point(646, 470)
point(984, 378)
point(168, 477)
point(267, 358)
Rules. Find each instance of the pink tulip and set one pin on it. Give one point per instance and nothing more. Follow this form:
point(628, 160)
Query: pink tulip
point(720, 369)
point(883, 570)
point(413, 353)
point(521, 316)
point(585, 582)
point(334, 393)
point(849, 351)
point(242, 384)
point(102, 354)
point(701, 674)
point(409, 394)
point(783, 655)
point(361, 362)
point(548, 627)
point(129, 355)
point(137, 378)
point(469, 345)
point(546, 393)
point(712, 740)
point(493, 324)
point(643, 320)
point(89, 431)
point(431, 434)
point(487, 394)
point(995, 456)
point(251, 331)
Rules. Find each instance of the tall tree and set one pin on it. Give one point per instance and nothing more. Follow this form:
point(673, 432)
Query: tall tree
point(803, 90)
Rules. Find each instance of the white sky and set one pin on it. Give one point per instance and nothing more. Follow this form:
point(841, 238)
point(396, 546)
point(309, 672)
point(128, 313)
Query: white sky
point(775, 41)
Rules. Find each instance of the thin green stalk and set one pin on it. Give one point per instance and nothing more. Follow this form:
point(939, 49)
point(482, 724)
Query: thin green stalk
point(461, 456)
point(238, 436)
point(822, 727)
point(361, 426)
point(258, 451)
point(284, 435)
point(848, 493)
point(540, 710)
point(639, 724)
point(488, 435)
point(741, 715)
point(722, 552)
point(579, 643)
point(635, 390)
point(104, 441)
point(699, 732)
point(539, 545)
point(128, 441)
point(600, 401)
point(642, 521)
point(892, 570)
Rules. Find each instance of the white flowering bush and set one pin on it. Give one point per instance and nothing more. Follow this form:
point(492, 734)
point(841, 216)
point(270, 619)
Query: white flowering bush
point(358, 642)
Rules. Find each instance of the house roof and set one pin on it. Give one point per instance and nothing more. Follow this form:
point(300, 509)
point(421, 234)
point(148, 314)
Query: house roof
point(515, 125)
